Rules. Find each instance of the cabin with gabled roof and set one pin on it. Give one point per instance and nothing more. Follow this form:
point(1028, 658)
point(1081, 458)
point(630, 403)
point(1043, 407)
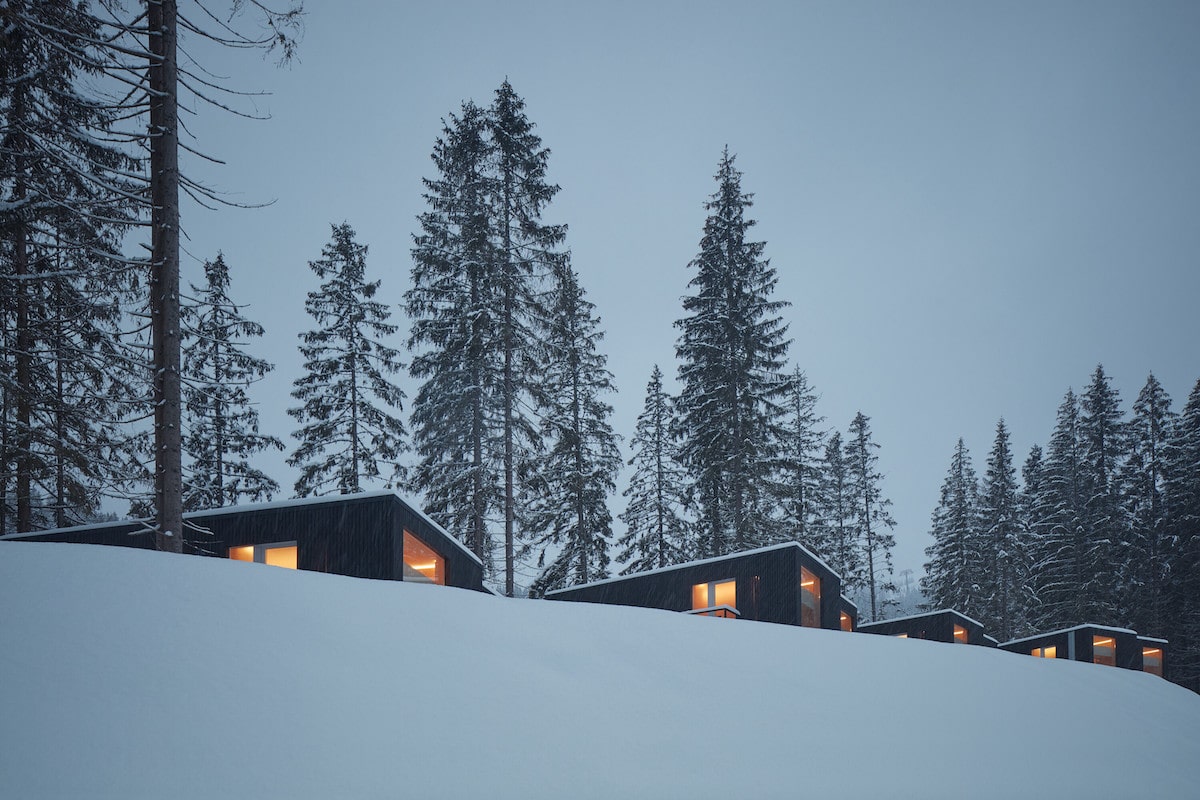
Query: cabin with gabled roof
point(945, 625)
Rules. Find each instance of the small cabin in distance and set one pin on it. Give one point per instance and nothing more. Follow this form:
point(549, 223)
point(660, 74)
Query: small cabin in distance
point(368, 535)
point(783, 583)
point(946, 625)
point(1096, 644)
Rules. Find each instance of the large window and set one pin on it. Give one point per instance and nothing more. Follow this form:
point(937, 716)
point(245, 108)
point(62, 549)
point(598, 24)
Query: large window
point(960, 635)
point(810, 599)
point(847, 622)
point(277, 554)
point(1045, 652)
point(1104, 650)
point(422, 564)
point(711, 597)
point(1152, 658)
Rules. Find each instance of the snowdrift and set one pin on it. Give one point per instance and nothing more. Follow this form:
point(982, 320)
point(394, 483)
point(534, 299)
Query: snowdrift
point(135, 674)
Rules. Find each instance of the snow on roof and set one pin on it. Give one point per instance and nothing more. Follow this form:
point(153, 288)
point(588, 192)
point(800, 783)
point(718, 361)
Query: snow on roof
point(1084, 626)
point(849, 602)
point(700, 562)
point(268, 506)
point(1152, 639)
point(919, 616)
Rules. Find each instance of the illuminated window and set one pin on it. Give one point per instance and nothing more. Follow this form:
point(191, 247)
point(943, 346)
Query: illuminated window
point(1045, 652)
point(847, 622)
point(900, 635)
point(277, 554)
point(714, 594)
point(422, 564)
point(1152, 660)
point(960, 635)
point(810, 599)
point(1104, 650)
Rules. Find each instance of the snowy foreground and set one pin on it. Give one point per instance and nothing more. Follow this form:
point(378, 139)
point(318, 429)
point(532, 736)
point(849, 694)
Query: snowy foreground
point(136, 674)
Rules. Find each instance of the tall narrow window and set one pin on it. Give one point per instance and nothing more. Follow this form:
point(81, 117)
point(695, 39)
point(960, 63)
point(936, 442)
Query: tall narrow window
point(810, 599)
point(277, 554)
point(1104, 650)
point(715, 595)
point(422, 564)
point(1045, 652)
point(847, 622)
point(1152, 658)
point(960, 635)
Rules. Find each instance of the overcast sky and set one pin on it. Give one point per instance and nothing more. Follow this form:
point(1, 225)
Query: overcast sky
point(968, 205)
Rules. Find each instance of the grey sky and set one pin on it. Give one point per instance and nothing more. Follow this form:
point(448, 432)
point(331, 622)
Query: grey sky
point(969, 205)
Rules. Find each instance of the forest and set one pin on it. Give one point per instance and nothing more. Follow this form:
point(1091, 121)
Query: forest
point(121, 389)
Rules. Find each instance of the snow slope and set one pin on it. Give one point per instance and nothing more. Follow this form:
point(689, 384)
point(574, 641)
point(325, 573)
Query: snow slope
point(135, 674)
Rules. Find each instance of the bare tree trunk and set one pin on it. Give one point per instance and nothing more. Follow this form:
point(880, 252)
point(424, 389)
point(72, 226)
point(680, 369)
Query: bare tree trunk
point(164, 273)
point(24, 437)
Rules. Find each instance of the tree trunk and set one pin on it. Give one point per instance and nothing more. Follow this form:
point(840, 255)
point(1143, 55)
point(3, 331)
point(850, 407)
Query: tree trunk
point(164, 274)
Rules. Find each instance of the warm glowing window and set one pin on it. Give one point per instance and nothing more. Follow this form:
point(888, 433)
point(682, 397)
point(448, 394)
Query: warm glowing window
point(960, 635)
point(1104, 650)
point(713, 594)
point(1152, 658)
point(278, 554)
point(847, 622)
point(422, 564)
point(1045, 652)
point(810, 599)
point(900, 635)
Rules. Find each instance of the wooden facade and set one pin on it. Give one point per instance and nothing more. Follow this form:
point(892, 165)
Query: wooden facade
point(946, 625)
point(1097, 644)
point(784, 583)
point(369, 535)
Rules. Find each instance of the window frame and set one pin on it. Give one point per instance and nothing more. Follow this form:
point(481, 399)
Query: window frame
point(712, 608)
point(259, 552)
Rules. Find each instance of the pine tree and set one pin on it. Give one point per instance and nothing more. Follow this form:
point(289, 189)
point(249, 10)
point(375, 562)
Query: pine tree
point(956, 574)
point(732, 347)
point(655, 519)
point(222, 424)
point(1182, 595)
point(802, 445)
point(1144, 554)
point(836, 527)
point(345, 392)
point(65, 202)
point(1030, 513)
point(870, 511)
point(1063, 569)
point(570, 506)
point(1005, 545)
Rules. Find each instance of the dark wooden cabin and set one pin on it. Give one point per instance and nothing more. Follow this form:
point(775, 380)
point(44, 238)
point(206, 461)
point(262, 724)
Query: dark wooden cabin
point(847, 615)
point(368, 535)
point(946, 625)
point(1097, 644)
point(784, 583)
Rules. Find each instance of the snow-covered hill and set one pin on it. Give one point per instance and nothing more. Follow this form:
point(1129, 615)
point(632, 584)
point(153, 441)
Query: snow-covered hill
point(131, 674)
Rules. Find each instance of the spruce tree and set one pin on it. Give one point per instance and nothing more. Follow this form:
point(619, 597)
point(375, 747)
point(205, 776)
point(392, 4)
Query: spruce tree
point(802, 445)
point(526, 257)
point(66, 199)
point(956, 573)
point(1030, 513)
point(657, 530)
point(221, 431)
point(457, 413)
point(1063, 569)
point(732, 349)
point(872, 519)
point(1102, 436)
point(572, 484)
point(835, 528)
point(350, 436)
point(1144, 552)
point(1004, 543)
point(1182, 596)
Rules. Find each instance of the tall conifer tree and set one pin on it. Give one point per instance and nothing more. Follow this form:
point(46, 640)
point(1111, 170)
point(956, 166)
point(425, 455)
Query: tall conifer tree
point(349, 436)
point(221, 433)
point(1004, 542)
point(836, 528)
point(655, 519)
point(1183, 503)
point(1102, 438)
point(802, 445)
point(873, 521)
point(955, 574)
point(570, 492)
point(732, 349)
